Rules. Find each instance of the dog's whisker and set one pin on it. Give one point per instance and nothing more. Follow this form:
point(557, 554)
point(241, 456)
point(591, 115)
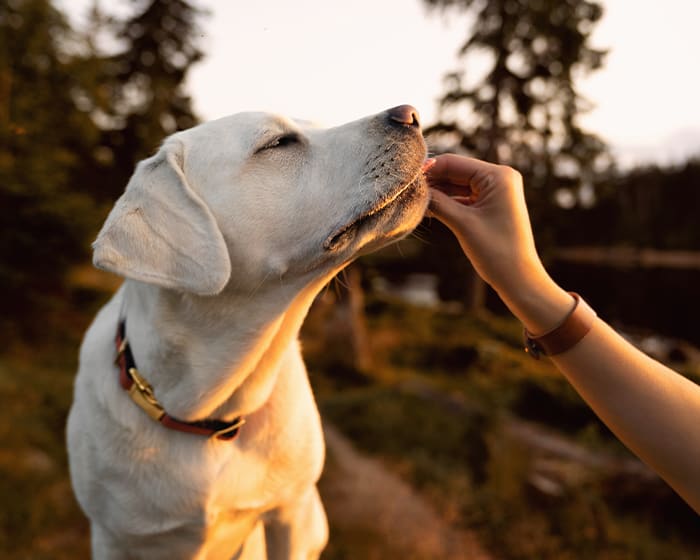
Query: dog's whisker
point(419, 237)
point(344, 281)
point(400, 250)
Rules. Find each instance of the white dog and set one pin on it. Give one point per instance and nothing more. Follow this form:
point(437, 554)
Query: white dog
point(204, 440)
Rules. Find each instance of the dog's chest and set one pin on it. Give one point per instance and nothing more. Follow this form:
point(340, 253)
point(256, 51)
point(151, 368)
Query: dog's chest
point(270, 467)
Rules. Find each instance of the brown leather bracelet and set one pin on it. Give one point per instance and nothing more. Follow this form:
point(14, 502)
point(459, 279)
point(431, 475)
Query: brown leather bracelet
point(565, 335)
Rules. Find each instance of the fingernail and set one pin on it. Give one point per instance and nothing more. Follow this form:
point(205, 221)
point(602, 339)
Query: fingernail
point(427, 164)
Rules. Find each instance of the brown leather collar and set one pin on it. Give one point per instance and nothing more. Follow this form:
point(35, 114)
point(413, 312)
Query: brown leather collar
point(142, 394)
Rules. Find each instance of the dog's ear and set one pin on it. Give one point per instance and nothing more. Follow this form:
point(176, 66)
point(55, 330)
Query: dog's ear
point(161, 232)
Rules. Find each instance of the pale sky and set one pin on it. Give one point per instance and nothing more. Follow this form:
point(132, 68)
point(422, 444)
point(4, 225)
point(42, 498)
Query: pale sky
point(332, 62)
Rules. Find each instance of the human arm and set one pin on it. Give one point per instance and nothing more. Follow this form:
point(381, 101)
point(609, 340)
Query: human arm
point(652, 409)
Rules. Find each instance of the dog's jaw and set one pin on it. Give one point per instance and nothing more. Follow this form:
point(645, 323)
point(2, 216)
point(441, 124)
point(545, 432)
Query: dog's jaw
point(394, 216)
point(396, 194)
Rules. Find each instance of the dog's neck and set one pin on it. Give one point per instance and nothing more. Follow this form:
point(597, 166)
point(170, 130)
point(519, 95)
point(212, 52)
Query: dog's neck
point(222, 355)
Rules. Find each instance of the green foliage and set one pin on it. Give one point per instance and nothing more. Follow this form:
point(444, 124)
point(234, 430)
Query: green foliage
point(44, 140)
point(407, 429)
point(39, 518)
point(73, 123)
point(439, 426)
point(647, 207)
point(441, 423)
point(145, 81)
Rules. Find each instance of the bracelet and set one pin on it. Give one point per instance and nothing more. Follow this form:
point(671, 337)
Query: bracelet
point(566, 334)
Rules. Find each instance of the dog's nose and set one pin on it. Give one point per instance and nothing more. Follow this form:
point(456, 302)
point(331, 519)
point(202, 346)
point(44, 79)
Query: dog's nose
point(405, 115)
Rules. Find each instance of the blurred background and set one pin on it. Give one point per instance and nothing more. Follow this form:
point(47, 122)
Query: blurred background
point(445, 440)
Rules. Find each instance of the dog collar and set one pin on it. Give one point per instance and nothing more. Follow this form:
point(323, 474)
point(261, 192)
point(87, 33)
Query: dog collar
point(142, 394)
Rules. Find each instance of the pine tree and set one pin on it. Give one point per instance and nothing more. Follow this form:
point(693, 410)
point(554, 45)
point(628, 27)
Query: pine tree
point(73, 123)
point(45, 137)
point(523, 111)
point(146, 81)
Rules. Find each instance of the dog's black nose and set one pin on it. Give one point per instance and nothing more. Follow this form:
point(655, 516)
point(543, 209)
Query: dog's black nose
point(404, 114)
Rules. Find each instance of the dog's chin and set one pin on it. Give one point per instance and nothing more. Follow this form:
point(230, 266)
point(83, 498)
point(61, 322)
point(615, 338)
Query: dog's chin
point(389, 220)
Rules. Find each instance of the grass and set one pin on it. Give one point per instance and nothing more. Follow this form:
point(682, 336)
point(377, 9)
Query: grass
point(464, 464)
point(360, 539)
point(39, 518)
point(433, 407)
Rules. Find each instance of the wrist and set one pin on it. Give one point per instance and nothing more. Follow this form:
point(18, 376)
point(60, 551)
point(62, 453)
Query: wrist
point(567, 334)
point(537, 301)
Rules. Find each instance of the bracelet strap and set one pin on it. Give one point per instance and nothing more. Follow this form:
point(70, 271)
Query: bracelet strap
point(565, 335)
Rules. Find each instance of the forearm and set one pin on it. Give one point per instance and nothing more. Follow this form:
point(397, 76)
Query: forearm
point(652, 409)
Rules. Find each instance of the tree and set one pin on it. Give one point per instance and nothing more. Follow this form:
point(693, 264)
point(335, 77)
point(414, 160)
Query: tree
point(523, 110)
point(145, 82)
point(73, 123)
point(45, 138)
point(639, 195)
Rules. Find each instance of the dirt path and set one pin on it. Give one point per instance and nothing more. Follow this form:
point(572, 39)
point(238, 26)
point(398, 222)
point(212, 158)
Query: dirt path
point(364, 499)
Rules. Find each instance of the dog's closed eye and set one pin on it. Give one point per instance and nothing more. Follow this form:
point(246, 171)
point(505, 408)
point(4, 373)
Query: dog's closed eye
point(283, 141)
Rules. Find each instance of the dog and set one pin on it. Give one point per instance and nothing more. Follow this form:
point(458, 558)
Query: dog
point(193, 431)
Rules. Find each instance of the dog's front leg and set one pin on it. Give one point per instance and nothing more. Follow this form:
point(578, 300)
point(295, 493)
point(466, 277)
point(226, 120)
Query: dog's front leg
point(298, 530)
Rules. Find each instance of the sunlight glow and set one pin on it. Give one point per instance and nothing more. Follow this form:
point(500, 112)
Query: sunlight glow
point(332, 63)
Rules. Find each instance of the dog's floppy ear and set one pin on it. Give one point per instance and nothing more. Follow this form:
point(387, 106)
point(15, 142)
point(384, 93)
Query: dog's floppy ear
point(161, 232)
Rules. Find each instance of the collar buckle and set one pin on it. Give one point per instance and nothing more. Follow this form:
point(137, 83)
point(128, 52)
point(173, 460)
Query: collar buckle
point(142, 394)
point(226, 433)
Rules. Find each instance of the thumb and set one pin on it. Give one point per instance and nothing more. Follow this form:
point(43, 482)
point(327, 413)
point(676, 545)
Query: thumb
point(448, 210)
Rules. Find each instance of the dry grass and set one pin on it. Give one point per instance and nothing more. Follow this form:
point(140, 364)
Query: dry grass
point(438, 411)
point(39, 517)
point(363, 497)
point(432, 414)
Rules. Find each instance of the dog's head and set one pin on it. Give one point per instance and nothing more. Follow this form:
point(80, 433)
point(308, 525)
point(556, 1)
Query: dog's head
point(256, 196)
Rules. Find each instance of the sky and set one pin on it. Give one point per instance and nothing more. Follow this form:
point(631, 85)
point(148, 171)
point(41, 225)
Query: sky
point(332, 62)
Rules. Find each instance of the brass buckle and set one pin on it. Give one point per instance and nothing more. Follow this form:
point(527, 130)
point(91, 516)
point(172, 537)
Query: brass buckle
point(142, 394)
point(229, 429)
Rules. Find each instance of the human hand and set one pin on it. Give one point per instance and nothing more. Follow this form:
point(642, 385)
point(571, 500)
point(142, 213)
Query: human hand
point(484, 206)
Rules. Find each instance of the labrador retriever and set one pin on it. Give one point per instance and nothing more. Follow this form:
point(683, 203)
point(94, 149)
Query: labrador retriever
point(193, 431)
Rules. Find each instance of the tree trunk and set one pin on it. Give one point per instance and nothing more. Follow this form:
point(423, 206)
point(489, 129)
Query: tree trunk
point(362, 354)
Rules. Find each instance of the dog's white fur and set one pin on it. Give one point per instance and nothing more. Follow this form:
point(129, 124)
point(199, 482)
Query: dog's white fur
point(225, 237)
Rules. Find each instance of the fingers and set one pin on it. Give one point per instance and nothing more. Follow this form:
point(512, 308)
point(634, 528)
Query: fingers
point(459, 177)
point(457, 191)
point(449, 210)
point(458, 170)
point(470, 180)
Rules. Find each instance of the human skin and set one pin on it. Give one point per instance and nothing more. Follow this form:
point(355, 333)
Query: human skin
point(652, 409)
